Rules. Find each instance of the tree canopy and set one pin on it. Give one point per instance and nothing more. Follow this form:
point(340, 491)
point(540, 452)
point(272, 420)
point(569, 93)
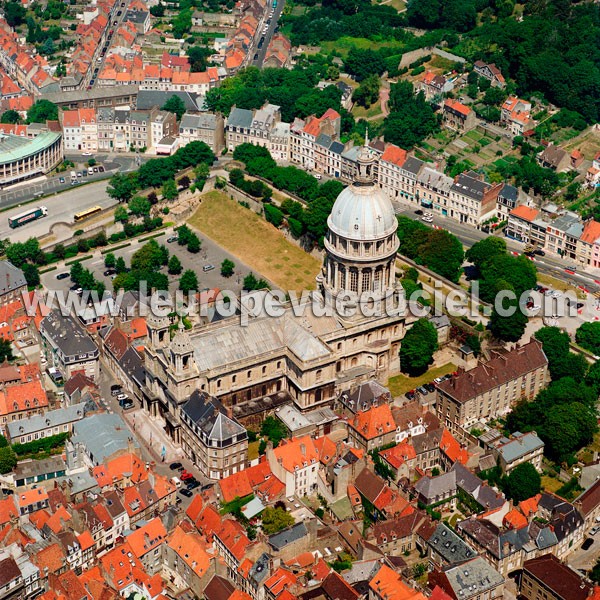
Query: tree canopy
point(42, 110)
point(275, 519)
point(175, 105)
point(417, 348)
point(588, 336)
point(522, 483)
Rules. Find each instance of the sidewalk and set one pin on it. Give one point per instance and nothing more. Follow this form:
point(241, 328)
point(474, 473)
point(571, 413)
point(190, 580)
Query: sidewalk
point(150, 431)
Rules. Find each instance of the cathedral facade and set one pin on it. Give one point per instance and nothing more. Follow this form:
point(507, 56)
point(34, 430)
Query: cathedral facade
point(307, 359)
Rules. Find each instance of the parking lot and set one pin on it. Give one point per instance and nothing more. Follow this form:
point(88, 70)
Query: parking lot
point(210, 254)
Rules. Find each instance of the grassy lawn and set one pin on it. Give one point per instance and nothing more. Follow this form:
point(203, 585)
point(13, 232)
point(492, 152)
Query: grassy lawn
point(360, 112)
point(472, 135)
point(346, 43)
point(254, 241)
point(551, 484)
point(401, 384)
point(253, 450)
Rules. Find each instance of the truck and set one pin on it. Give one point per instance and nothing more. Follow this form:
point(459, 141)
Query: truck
point(25, 217)
point(73, 175)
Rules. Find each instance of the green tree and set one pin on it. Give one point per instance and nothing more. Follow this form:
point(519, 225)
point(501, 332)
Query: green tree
point(368, 91)
point(555, 344)
point(188, 282)
point(588, 336)
point(158, 10)
point(273, 429)
point(198, 55)
point(486, 249)
point(32, 275)
point(273, 215)
point(275, 519)
point(42, 111)
point(121, 187)
point(148, 258)
point(5, 350)
point(139, 206)
point(417, 348)
point(175, 105)
point(184, 234)
point(194, 244)
point(14, 13)
point(523, 482)
point(120, 266)
point(10, 116)
point(508, 328)
point(443, 253)
point(592, 378)
point(227, 268)
point(169, 190)
point(8, 460)
point(174, 266)
point(121, 215)
point(110, 260)
point(594, 574)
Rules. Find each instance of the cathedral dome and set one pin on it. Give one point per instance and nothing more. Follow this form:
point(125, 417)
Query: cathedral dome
point(363, 211)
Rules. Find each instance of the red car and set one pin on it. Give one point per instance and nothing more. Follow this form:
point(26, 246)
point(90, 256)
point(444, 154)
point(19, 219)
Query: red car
point(185, 476)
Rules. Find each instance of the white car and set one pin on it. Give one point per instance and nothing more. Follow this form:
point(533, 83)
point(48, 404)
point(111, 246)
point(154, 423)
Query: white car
point(121, 397)
point(595, 530)
point(556, 294)
point(427, 218)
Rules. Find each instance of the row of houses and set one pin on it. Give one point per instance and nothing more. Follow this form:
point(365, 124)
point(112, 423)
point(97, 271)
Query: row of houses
point(556, 230)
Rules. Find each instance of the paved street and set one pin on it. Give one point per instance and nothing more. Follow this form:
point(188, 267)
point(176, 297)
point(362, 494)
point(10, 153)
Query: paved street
point(149, 434)
point(61, 208)
point(548, 264)
point(256, 54)
point(584, 560)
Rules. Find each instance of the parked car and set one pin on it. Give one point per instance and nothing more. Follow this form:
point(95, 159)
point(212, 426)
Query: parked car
point(410, 395)
point(206, 268)
point(595, 530)
point(61, 179)
point(109, 272)
point(587, 544)
point(438, 379)
point(115, 389)
point(125, 404)
point(192, 485)
point(174, 466)
point(186, 476)
point(539, 252)
point(172, 238)
point(422, 390)
point(62, 276)
point(101, 169)
point(185, 492)
point(429, 387)
point(121, 397)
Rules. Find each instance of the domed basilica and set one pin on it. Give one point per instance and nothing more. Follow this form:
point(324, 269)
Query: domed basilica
point(304, 358)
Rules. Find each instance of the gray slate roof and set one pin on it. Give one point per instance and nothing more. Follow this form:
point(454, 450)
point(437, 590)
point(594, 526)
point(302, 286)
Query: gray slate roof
point(279, 541)
point(437, 487)
point(240, 117)
point(467, 185)
point(207, 416)
point(450, 546)
point(67, 335)
point(148, 99)
point(201, 121)
point(53, 418)
point(11, 278)
point(102, 435)
point(473, 579)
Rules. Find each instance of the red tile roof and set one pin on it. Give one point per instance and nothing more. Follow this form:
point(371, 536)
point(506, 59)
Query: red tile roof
point(375, 422)
point(394, 155)
point(296, 453)
point(457, 106)
point(525, 212)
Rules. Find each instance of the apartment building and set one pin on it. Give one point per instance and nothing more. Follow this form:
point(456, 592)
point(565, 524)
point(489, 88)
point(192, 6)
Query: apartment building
point(547, 578)
point(588, 245)
point(432, 190)
point(280, 142)
point(253, 127)
point(472, 200)
point(204, 127)
point(303, 138)
point(295, 462)
point(162, 124)
point(563, 233)
point(490, 389)
point(458, 116)
point(520, 223)
point(51, 423)
point(518, 449)
point(507, 201)
point(215, 443)
point(68, 347)
point(516, 115)
point(433, 86)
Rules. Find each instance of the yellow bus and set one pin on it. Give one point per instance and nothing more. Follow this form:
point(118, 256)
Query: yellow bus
point(84, 214)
